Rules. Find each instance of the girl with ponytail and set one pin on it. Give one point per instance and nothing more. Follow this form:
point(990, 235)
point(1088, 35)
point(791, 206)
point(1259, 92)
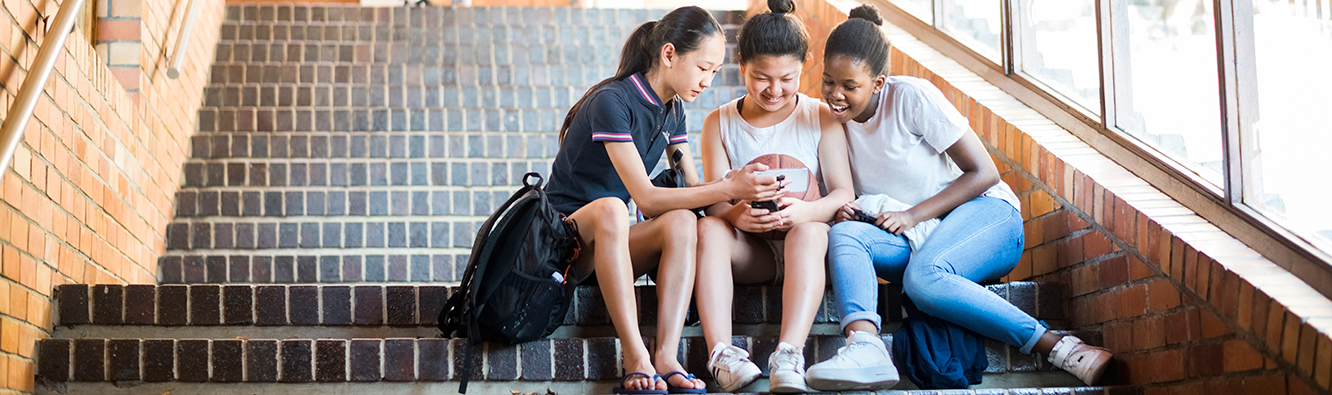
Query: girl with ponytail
point(909, 144)
point(609, 141)
point(773, 118)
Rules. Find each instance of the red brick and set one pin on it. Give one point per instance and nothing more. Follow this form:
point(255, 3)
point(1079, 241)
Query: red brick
point(1240, 356)
point(1149, 333)
point(1044, 259)
point(1137, 269)
point(1194, 388)
point(1041, 203)
point(1182, 326)
point(1276, 315)
point(1168, 365)
point(1260, 307)
point(1114, 271)
point(1118, 336)
point(1070, 252)
point(1075, 222)
point(1225, 292)
point(1271, 382)
point(1095, 244)
point(1125, 228)
point(1308, 345)
point(1204, 360)
point(1323, 361)
point(1176, 259)
point(1132, 302)
point(1191, 269)
point(1297, 386)
point(1033, 233)
point(1290, 337)
point(1055, 226)
point(1086, 279)
point(1244, 305)
point(1144, 234)
point(1023, 269)
point(1162, 295)
point(1212, 325)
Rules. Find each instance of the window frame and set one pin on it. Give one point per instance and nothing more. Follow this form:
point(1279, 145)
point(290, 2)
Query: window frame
point(1237, 85)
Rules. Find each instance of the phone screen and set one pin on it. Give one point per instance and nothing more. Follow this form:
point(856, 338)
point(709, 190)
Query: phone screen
point(797, 180)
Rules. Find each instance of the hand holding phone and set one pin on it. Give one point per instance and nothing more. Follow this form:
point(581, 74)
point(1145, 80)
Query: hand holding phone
point(770, 205)
point(862, 216)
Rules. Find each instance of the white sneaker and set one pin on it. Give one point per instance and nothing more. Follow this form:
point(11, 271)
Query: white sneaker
point(786, 370)
point(731, 367)
point(1084, 361)
point(863, 364)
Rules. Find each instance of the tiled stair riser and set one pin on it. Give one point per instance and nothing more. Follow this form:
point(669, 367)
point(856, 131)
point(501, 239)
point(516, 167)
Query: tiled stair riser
point(419, 305)
point(401, 359)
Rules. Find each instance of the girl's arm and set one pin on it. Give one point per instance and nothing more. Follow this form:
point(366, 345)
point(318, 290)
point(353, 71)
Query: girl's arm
point(836, 168)
point(978, 175)
point(686, 162)
point(715, 166)
point(654, 201)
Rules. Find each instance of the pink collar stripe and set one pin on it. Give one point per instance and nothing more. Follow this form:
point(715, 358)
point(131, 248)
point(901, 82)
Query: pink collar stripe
point(639, 84)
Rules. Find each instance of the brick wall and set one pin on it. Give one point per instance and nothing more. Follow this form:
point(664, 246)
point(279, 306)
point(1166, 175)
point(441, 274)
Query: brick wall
point(89, 194)
point(1186, 308)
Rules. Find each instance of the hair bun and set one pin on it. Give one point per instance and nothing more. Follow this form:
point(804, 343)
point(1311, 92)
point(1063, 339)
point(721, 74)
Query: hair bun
point(781, 6)
point(866, 12)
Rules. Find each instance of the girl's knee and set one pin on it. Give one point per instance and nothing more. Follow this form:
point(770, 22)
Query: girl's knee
point(807, 231)
point(710, 227)
point(608, 214)
point(679, 225)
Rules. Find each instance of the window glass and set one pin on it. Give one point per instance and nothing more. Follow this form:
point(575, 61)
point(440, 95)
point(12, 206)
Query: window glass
point(1287, 154)
point(976, 23)
point(1057, 41)
point(1168, 95)
point(923, 9)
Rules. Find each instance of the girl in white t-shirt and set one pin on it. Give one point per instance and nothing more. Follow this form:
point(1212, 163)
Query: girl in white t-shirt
point(909, 143)
point(773, 118)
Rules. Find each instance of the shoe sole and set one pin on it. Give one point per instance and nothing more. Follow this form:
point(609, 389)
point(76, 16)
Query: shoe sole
point(854, 379)
point(1101, 363)
point(747, 381)
point(787, 387)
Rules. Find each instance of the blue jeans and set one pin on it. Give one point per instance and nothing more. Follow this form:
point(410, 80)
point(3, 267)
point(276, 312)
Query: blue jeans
point(979, 240)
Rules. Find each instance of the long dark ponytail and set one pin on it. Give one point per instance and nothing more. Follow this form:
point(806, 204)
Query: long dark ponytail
point(684, 27)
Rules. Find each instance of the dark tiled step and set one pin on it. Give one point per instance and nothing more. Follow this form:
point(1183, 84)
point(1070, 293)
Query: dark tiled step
point(396, 359)
point(217, 147)
point(434, 17)
point(360, 119)
point(412, 305)
point(250, 204)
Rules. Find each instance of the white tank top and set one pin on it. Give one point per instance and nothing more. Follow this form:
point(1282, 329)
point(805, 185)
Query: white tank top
point(798, 135)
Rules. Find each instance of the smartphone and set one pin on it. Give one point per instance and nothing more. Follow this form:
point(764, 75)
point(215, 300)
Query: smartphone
point(771, 205)
point(796, 180)
point(862, 216)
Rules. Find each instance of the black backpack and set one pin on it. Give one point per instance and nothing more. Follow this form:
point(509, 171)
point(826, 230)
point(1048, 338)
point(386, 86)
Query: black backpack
point(516, 287)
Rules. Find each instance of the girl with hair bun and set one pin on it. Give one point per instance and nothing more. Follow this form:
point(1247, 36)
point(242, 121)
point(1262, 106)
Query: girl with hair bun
point(909, 143)
point(612, 136)
point(772, 118)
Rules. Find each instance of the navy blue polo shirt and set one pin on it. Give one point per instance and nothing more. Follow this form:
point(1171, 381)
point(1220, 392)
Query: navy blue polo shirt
point(625, 111)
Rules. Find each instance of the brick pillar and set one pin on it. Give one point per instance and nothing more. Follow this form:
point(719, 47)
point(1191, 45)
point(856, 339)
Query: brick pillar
point(119, 23)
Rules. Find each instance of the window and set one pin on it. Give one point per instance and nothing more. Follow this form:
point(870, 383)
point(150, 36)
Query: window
point(977, 24)
point(922, 9)
point(1166, 82)
point(1287, 158)
point(1056, 44)
point(1165, 66)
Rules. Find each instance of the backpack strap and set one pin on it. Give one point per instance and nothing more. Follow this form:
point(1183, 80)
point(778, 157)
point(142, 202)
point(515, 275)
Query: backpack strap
point(459, 301)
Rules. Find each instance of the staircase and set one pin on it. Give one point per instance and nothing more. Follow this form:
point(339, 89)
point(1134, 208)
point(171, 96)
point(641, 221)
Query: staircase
point(343, 161)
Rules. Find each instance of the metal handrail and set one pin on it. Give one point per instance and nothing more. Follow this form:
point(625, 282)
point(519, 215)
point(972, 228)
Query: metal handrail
point(183, 40)
point(33, 84)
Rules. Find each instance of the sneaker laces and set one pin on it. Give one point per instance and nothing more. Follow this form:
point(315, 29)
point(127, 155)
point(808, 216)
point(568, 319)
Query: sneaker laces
point(730, 356)
point(789, 356)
